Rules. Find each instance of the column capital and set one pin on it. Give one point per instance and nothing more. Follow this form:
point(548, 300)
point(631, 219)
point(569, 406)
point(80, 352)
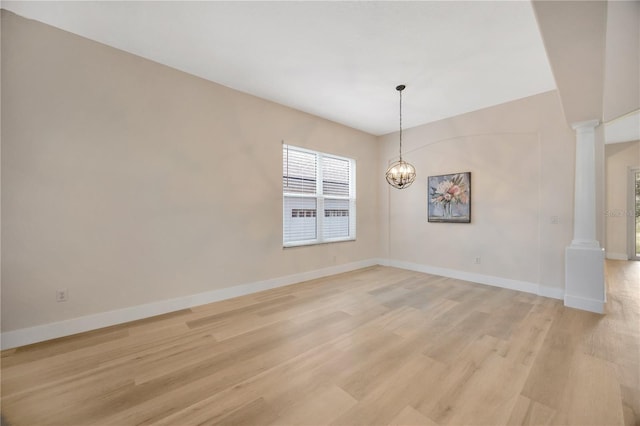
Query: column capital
point(585, 125)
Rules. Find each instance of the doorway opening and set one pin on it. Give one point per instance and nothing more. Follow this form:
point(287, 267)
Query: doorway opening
point(634, 214)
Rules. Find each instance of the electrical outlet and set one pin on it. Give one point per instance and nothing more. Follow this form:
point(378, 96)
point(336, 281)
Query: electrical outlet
point(476, 260)
point(62, 295)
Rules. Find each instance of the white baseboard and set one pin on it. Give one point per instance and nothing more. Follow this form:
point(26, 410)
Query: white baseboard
point(40, 333)
point(524, 286)
point(551, 292)
point(617, 256)
point(584, 304)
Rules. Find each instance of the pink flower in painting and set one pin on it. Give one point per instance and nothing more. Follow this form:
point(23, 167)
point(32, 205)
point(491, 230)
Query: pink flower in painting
point(449, 192)
point(443, 187)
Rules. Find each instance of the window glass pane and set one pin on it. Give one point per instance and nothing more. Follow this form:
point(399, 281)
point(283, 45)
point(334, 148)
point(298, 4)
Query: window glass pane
point(336, 218)
point(637, 215)
point(303, 195)
point(335, 176)
point(299, 219)
point(298, 171)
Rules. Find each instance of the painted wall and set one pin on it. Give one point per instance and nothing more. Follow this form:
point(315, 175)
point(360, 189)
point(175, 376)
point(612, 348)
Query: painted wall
point(622, 61)
point(574, 35)
point(521, 156)
point(619, 158)
point(118, 184)
point(128, 182)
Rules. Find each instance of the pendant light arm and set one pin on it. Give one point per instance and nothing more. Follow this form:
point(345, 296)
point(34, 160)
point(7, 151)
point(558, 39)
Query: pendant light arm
point(400, 88)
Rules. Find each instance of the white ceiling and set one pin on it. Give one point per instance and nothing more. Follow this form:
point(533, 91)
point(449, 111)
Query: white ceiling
point(337, 60)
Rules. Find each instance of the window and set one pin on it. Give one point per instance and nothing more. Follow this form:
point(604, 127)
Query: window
point(313, 181)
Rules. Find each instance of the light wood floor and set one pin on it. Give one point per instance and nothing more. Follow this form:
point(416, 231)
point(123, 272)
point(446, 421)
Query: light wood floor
point(375, 346)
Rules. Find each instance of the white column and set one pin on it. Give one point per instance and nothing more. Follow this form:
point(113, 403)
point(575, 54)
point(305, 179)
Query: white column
point(584, 216)
point(584, 259)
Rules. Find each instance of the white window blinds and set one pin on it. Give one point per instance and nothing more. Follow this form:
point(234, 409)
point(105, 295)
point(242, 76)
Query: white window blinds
point(318, 197)
point(299, 172)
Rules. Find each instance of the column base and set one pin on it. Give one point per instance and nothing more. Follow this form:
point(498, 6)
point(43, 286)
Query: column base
point(584, 279)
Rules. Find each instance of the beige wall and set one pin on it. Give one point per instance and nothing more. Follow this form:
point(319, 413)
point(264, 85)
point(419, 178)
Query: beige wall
point(622, 61)
point(118, 184)
point(521, 158)
point(129, 182)
point(619, 158)
point(574, 35)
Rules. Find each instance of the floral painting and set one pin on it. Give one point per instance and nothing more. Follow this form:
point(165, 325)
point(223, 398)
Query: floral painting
point(449, 198)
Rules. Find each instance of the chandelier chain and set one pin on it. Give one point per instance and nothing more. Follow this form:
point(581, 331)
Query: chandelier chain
point(400, 124)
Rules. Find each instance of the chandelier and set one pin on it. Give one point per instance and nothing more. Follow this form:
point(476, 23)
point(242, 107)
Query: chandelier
point(401, 174)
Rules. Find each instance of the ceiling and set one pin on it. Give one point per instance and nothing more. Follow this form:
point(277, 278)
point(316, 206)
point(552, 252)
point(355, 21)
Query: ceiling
point(337, 60)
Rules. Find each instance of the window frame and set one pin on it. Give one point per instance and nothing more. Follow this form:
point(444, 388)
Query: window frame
point(320, 199)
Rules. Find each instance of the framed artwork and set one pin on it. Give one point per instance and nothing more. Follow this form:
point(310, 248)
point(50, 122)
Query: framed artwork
point(449, 198)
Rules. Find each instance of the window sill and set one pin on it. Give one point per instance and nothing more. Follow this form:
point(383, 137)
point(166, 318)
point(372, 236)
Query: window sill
point(316, 243)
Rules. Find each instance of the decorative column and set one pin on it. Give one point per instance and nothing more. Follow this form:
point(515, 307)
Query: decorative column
point(584, 259)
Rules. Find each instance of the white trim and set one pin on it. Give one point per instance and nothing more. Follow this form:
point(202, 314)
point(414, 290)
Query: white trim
point(585, 125)
point(382, 261)
point(524, 286)
point(591, 305)
point(39, 333)
point(617, 256)
point(551, 292)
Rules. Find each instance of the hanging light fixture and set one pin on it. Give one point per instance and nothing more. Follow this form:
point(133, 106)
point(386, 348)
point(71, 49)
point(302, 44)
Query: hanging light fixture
point(401, 174)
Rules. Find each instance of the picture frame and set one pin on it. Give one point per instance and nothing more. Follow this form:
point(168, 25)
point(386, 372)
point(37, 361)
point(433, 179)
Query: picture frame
point(449, 198)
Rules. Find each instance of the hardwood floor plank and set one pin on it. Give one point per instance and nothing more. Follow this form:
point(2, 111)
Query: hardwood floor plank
point(299, 374)
point(388, 396)
point(375, 346)
point(630, 405)
point(218, 317)
point(410, 417)
point(527, 412)
point(255, 413)
point(314, 408)
point(448, 386)
point(550, 373)
point(592, 396)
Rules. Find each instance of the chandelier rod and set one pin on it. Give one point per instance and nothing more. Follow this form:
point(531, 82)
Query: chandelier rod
point(399, 89)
